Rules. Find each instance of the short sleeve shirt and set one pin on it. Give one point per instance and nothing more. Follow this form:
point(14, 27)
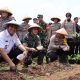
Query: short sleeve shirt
point(7, 42)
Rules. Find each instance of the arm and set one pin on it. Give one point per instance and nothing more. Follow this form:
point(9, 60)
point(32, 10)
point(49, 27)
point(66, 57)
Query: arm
point(51, 44)
point(7, 59)
point(48, 33)
point(22, 48)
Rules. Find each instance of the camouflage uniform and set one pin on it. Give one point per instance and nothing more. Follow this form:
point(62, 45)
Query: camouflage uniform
point(32, 42)
point(23, 30)
point(3, 21)
point(43, 33)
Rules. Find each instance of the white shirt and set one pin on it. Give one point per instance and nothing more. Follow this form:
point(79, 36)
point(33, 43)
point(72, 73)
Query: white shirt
point(7, 41)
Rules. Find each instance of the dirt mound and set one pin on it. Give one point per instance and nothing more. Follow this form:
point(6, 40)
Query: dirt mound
point(46, 69)
point(10, 76)
point(75, 77)
point(51, 71)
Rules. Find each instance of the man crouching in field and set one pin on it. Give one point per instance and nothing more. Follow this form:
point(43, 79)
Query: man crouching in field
point(8, 39)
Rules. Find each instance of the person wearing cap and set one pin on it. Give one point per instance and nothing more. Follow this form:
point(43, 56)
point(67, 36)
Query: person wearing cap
point(35, 20)
point(44, 34)
point(5, 16)
point(33, 44)
point(55, 26)
point(9, 38)
point(24, 27)
point(76, 37)
point(58, 47)
point(68, 25)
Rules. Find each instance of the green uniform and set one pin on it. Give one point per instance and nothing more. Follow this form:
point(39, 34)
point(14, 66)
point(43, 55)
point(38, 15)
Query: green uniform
point(43, 33)
point(32, 42)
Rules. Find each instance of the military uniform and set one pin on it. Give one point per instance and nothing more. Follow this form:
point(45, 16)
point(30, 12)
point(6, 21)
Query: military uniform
point(24, 27)
point(32, 42)
point(3, 21)
point(43, 33)
point(23, 30)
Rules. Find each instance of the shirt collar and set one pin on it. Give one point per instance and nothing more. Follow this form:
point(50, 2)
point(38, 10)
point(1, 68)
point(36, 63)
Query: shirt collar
point(7, 33)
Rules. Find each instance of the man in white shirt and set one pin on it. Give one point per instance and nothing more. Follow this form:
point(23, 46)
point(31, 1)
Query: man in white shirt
point(9, 38)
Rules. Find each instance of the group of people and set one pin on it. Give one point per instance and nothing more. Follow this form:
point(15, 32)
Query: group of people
point(53, 40)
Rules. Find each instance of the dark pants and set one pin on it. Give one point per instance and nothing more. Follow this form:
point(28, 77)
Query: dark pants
point(31, 55)
point(12, 55)
point(77, 45)
point(71, 44)
point(59, 54)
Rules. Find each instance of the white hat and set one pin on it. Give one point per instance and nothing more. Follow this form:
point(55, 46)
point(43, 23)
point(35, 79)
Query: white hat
point(13, 22)
point(34, 26)
point(62, 31)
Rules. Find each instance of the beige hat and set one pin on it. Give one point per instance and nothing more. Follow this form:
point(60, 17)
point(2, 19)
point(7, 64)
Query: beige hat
point(26, 18)
point(13, 22)
point(53, 18)
point(5, 9)
point(34, 26)
point(62, 31)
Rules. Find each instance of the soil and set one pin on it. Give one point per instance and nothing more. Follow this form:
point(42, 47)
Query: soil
point(51, 71)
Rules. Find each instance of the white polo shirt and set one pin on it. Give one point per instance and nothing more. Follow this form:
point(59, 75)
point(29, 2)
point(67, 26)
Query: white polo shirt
point(7, 41)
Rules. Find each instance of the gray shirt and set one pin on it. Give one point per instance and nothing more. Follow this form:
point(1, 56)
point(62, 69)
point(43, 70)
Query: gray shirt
point(51, 47)
point(69, 27)
point(23, 30)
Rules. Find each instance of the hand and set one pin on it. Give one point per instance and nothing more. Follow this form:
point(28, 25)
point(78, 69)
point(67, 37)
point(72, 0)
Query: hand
point(25, 53)
point(13, 67)
point(33, 49)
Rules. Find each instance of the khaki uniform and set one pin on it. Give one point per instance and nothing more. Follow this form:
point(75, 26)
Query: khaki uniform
point(54, 27)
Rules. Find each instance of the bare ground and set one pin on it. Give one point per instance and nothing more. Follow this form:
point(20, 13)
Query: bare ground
point(51, 71)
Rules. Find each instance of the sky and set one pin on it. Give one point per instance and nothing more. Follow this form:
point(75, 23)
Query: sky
point(49, 8)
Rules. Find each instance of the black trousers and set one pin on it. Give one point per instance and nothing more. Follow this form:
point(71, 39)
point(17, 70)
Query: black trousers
point(12, 55)
point(77, 45)
point(31, 55)
point(71, 44)
point(59, 54)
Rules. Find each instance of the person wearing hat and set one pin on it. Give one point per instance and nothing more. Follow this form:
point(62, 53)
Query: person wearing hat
point(58, 47)
point(24, 27)
point(55, 26)
point(68, 25)
point(44, 34)
point(33, 44)
point(9, 38)
point(35, 20)
point(5, 16)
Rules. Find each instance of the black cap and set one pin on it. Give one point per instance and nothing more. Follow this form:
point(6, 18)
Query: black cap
point(39, 16)
point(68, 15)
